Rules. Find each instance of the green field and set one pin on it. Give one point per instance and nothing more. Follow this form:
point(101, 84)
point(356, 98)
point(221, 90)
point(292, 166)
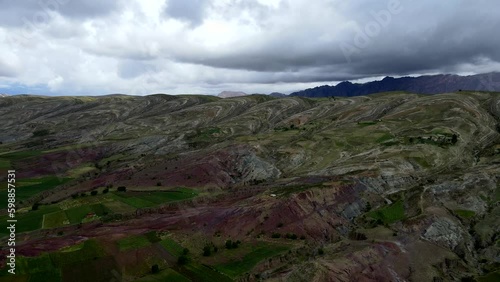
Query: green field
point(4, 164)
point(90, 250)
point(202, 273)
point(118, 207)
point(390, 214)
point(28, 221)
point(55, 219)
point(491, 277)
point(27, 190)
point(77, 214)
point(19, 155)
point(172, 247)
point(133, 242)
point(250, 260)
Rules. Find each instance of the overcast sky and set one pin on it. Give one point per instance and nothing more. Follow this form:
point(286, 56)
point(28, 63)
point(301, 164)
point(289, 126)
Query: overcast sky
point(78, 47)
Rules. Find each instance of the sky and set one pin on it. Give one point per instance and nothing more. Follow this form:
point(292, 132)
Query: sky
point(97, 47)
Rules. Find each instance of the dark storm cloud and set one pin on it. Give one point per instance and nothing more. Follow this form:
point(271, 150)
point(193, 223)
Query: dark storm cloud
point(192, 11)
point(19, 12)
point(113, 46)
point(450, 34)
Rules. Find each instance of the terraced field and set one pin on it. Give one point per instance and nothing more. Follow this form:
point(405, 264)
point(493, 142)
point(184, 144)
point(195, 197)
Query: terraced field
point(391, 186)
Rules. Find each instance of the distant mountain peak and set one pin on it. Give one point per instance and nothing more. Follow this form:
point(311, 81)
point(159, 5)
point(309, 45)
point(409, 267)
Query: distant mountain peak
point(428, 84)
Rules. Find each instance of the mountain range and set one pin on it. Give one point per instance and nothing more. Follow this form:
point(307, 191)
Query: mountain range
point(429, 84)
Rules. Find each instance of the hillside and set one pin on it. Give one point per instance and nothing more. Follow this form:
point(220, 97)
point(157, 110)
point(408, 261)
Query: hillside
point(431, 84)
point(386, 187)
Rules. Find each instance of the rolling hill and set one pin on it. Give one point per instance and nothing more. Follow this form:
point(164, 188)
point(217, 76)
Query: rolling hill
point(391, 186)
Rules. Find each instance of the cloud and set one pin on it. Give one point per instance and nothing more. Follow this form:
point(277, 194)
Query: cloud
point(192, 11)
point(99, 47)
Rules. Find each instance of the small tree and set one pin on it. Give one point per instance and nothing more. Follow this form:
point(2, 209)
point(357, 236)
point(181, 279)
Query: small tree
point(155, 269)
point(229, 244)
point(105, 191)
point(34, 207)
point(122, 189)
point(207, 251)
point(93, 193)
point(182, 260)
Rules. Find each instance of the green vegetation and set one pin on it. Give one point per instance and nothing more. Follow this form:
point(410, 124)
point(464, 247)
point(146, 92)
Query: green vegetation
point(172, 247)
point(250, 260)
point(133, 242)
point(25, 192)
point(491, 277)
point(465, 213)
point(390, 214)
point(31, 220)
point(55, 219)
point(202, 273)
point(367, 123)
point(90, 250)
point(19, 155)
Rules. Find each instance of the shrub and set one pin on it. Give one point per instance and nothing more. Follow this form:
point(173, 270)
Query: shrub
point(155, 269)
point(182, 260)
point(105, 191)
point(122, 189)
point(276, 235)
point(321, 251)
point(229, 244)
point(93, 193)
point(42, 132)
point(207, 251)
point(158, 184)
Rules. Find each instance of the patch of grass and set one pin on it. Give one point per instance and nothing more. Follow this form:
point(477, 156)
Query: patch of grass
point(172, 247)
point(383, 138)
point(133, 242)
point(4, 164)
point(389, 214)
point(29, 265)
point(134, 201)
point(55, 219)
point(119, 207)
point(202, 273)
point(465, 213)
point(19, 155)
point(74, 173)
point(90, 251)
point(77, 214)
point(491, 277)
point(25, 192)
point(250, 260)
point(366, 123)
point(28, 221)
